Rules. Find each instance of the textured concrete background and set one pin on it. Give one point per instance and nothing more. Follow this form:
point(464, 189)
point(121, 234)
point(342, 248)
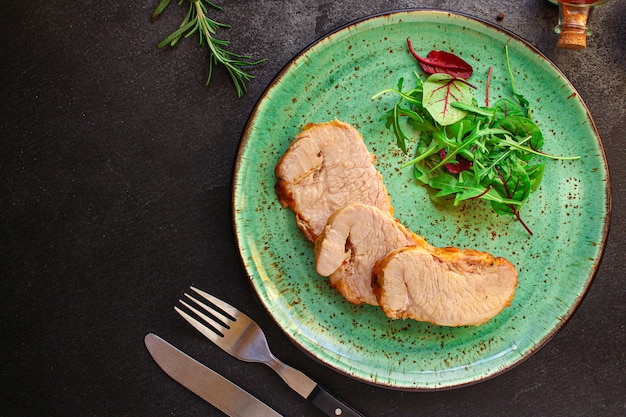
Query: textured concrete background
point(116, 185)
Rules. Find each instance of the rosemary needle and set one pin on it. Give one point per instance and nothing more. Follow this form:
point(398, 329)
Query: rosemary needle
point(197, 20)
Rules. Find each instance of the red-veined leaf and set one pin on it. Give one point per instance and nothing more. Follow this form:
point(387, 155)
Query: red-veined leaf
point(461, 164)
point(514, 183)
point(440, 90)
point(441, 62)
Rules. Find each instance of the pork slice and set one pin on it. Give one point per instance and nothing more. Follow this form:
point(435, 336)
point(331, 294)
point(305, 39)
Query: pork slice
point(355, 238)
point(444, 286)
point(326, 167)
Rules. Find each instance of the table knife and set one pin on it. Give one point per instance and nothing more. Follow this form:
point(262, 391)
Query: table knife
point(204, 382)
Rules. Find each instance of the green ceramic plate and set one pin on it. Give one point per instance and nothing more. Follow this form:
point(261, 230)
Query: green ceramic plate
point(336, 78)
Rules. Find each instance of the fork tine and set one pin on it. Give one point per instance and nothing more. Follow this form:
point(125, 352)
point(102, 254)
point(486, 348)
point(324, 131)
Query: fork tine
point(206, 331)
point(221, 324)
point(219, 303)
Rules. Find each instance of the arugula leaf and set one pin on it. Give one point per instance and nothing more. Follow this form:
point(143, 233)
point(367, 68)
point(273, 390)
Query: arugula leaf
point(520, 98)
point(522, 128)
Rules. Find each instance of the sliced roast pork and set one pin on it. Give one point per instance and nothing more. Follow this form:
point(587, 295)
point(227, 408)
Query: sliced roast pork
point(447, 286)
point(355, 238)
point(326, 167)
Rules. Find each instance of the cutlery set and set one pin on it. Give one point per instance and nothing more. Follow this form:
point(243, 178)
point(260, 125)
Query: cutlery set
point(238, 335)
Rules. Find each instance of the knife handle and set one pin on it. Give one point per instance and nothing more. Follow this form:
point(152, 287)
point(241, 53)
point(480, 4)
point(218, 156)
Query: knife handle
point(331, 405)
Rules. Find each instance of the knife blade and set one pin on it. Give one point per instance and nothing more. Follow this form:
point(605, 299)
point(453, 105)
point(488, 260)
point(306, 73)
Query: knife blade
point(204, 382)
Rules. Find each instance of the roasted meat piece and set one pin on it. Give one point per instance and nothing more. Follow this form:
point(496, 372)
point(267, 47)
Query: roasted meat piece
point(444, 286)
point(326, 167)
point(355, 238)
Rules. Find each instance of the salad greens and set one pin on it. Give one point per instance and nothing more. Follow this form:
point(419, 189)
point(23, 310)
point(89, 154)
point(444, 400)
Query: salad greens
point(466, 151)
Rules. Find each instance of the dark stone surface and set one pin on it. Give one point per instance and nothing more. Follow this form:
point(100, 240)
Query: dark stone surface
point(116, 169)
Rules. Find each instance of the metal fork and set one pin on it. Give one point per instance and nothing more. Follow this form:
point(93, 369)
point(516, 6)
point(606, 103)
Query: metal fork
point(241, 337)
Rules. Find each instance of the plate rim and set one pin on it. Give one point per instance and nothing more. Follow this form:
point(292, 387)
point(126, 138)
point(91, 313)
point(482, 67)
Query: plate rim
point(563, 320)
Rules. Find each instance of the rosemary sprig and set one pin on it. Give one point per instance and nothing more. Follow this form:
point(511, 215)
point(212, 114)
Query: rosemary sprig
point(197, 20)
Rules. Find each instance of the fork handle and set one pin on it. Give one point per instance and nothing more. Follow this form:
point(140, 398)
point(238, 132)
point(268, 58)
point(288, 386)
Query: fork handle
point(311, 390)
point(331, 405)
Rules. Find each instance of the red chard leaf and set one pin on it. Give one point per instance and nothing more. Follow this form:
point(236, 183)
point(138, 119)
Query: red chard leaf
point(461, 164)
point(442, 62)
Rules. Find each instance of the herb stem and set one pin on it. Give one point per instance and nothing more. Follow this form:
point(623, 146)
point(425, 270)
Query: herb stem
point(197, 20)
point(518, 145)
point(487, 86)
point(471, 139)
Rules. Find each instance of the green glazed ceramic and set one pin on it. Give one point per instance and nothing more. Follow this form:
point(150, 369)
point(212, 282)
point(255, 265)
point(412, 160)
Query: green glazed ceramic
point(336, 78)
